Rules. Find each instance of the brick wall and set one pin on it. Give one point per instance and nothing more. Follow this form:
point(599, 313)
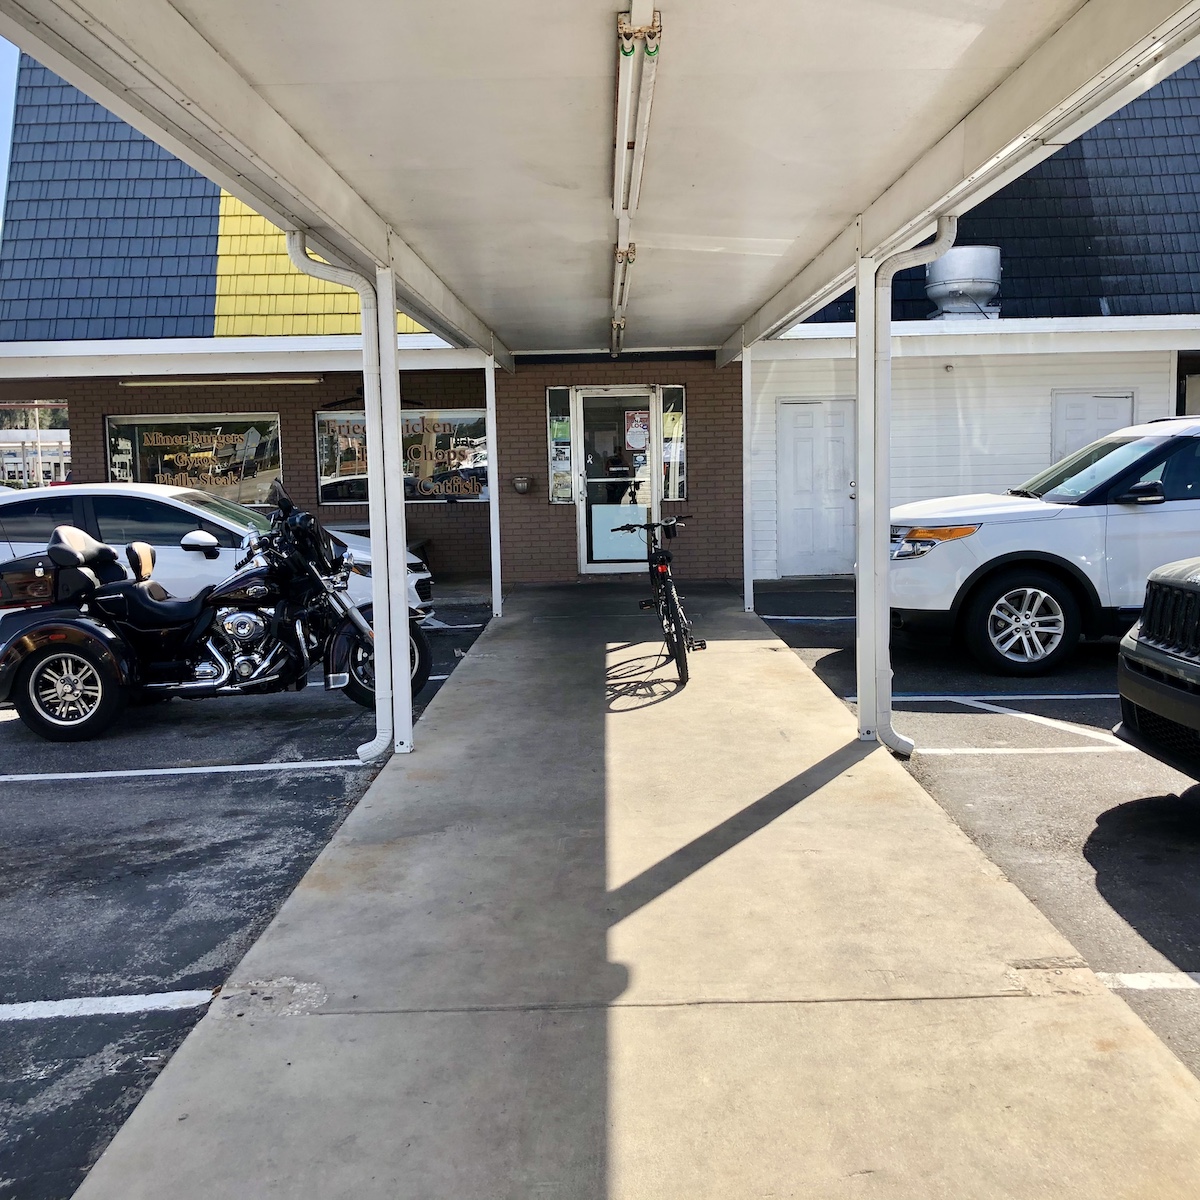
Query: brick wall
point(538, 538)
point(458, 541)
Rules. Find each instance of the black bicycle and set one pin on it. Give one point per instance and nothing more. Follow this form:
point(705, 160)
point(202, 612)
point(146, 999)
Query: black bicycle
point(677, 632)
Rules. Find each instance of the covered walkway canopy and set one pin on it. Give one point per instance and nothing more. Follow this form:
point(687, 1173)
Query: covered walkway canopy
point(767, 156)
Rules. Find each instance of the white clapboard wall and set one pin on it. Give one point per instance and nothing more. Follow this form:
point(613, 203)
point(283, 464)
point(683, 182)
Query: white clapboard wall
point(987, 424)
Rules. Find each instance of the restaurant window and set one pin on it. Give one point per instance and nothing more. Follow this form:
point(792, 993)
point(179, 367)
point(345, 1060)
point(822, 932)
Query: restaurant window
point(562, 478)
point(445, 455)
point(674, 445)
point(232, 455)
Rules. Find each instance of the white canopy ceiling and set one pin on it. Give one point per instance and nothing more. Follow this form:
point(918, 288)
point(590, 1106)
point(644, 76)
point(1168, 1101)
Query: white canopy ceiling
point(471, 143)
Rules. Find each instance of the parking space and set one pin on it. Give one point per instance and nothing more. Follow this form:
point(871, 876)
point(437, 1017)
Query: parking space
point(141, 867)
point(1105, 840)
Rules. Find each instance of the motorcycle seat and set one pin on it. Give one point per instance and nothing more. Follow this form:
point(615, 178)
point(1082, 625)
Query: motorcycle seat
point(74, 550)
point(148, 605)
point(142, 558)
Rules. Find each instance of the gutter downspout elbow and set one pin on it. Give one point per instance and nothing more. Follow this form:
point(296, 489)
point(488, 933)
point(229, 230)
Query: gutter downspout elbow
point(297, 247)
point(947, 230)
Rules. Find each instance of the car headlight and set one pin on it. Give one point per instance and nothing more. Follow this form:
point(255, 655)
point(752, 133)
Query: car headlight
point(912, 541)
point(358, 568)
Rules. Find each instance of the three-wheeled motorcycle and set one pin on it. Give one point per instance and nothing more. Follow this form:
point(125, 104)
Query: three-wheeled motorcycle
point(91, 636)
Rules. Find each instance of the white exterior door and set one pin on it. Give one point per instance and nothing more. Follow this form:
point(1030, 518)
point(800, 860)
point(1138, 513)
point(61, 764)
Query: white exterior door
point(617, 449)
point(1080, 418)
point(815, 445)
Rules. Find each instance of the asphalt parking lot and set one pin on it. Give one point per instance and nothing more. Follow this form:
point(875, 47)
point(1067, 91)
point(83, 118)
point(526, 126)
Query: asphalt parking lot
point(1104, 840)
point(149, 885)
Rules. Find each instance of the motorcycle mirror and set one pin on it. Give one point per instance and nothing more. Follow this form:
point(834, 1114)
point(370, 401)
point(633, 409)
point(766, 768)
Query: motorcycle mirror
point(202, 541)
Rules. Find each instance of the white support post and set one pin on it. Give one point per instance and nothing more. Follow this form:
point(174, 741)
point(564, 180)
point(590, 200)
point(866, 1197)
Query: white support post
point(493, 478)
point(397, 526)
point(885, 272)
point(747, 467)
point(866, 598)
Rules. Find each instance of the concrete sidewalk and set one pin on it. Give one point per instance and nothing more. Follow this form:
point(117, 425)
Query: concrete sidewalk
point(603, 939)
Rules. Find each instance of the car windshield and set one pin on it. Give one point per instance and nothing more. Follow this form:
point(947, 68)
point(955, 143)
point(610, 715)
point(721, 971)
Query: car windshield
point(239, 514)
point(1087, 469)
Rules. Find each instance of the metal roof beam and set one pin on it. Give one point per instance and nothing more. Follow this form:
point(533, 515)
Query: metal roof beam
point(210, 116)
point(1106, 55)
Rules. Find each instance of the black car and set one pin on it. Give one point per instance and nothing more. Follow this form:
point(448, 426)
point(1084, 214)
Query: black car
point(1158, 672)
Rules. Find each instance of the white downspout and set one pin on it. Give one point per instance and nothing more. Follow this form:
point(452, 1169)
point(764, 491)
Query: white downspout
point(947, 229)
point(376, 506)
point(493, 478)
point(397, 524)
point(747, 497)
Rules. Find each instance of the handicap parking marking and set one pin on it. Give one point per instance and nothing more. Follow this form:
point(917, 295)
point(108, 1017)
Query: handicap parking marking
point(313, 764)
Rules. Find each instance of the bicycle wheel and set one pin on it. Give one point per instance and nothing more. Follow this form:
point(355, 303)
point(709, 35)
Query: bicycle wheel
point(675, 630)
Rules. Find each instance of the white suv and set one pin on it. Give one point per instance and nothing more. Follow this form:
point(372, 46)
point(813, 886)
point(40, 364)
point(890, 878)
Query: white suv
point(1023, 575)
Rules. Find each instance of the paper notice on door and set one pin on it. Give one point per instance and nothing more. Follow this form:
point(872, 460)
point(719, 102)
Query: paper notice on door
point(637, 430)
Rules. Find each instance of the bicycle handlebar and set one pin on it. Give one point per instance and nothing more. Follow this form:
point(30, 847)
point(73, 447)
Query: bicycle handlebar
point(653, 524)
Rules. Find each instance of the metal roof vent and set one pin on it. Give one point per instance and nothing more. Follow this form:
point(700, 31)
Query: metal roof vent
point(964, 283)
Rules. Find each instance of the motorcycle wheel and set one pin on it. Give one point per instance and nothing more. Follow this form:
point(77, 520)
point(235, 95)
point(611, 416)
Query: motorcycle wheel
point(361, 687)
point(67, 694)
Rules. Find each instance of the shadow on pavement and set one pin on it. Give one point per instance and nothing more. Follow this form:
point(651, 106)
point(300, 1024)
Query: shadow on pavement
point(1146, 855)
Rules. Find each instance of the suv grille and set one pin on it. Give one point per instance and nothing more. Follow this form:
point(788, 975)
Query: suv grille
point(1170, 735)
point(425, 589)
point(1171, 619)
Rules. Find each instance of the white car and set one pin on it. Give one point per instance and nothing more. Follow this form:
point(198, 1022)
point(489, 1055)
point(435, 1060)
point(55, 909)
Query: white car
point(120, 513)
point(1021, 576)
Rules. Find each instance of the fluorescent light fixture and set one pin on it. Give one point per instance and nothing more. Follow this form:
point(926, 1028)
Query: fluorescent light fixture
point(224, 381)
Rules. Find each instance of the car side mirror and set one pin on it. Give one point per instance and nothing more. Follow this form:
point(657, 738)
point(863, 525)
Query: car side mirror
point(1149, 492)
point(202, 541)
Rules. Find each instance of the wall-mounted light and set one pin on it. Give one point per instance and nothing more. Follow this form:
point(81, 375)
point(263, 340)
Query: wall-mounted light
point(522, 484)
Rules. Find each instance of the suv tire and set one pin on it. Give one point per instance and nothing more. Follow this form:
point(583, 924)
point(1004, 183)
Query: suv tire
point(1022, 621)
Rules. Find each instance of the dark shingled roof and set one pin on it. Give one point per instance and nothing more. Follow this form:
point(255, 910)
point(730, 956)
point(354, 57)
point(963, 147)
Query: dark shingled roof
point(1108, 226)
point(106, 235)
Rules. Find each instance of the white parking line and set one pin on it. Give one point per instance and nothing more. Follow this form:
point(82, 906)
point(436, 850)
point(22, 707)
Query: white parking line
point(1118, 748)
point(932, 697)
point(766, 618)
point(100, 1006)
point(314, 764)
point(1151, 981)
point(1049, 722)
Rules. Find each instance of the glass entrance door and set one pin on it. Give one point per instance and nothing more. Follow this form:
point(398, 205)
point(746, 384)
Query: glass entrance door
point(618, 438)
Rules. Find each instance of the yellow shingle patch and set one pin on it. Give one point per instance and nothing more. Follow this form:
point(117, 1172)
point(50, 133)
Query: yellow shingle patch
point(260, 293)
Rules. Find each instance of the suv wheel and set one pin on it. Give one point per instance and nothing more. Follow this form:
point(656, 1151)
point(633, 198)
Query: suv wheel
point(1021, 622)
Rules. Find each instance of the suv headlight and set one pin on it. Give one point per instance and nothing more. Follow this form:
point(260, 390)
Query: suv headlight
point(912, 541)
